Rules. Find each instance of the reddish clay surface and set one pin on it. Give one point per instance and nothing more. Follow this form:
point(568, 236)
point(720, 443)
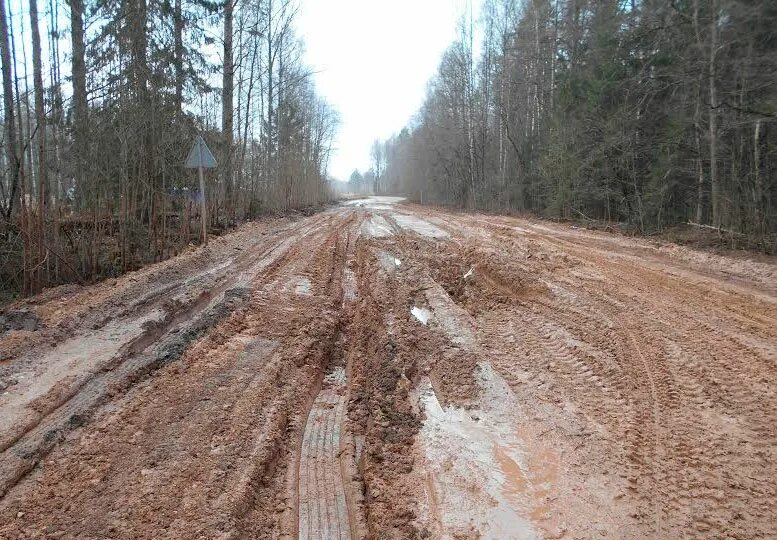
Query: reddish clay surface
point(567, 384)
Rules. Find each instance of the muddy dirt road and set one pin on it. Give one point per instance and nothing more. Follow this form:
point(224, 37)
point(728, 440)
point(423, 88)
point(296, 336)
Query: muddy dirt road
point(381, 370)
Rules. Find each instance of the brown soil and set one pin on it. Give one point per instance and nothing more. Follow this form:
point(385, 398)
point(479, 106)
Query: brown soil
point(276, 385)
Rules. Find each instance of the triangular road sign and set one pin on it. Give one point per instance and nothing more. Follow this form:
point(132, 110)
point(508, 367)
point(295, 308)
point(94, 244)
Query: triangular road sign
point(200, 156)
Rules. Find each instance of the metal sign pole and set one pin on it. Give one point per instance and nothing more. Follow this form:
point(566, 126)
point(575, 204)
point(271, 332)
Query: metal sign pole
point(203, 209)
point(200, 157)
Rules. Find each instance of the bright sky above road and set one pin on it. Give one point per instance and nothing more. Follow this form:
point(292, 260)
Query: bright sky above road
point(373, 60)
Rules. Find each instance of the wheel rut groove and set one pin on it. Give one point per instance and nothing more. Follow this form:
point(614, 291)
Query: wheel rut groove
point(323, 512)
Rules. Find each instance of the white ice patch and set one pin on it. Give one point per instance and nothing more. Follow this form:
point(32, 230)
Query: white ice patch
point(476, 465)
point(419, 226)
point(470, 273)
point(423, 315)
point(302, 287)
point(397, 262)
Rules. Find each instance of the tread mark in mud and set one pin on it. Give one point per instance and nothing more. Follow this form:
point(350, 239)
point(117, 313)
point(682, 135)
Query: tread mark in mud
point(322, 507)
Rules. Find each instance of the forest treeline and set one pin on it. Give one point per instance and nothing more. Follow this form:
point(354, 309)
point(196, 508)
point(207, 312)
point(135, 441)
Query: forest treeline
point(98, 124)
point(644, 112)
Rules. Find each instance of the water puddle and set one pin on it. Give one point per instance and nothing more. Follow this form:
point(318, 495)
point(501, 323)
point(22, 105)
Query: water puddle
point(472, 473)
point(303, 287)
point(377, 227)
point(388, 262)
point(482, 475)
point(419, 226)
point(349, 285)
point(376, 202)
point(70, 361)
point(451, 318)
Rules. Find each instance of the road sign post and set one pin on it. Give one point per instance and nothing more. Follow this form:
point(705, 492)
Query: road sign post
point(203, 208)
point(200, 157)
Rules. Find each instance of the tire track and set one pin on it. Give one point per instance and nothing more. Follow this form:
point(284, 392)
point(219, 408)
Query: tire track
point(160, 347)
point(323, 512)
point(669, 366)
point(212, 429)
point(651, 379)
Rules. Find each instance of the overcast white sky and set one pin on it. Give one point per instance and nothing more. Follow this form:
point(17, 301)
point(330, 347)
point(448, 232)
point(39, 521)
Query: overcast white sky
point(373, 60)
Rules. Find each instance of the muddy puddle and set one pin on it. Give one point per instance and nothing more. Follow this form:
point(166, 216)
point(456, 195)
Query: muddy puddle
point(303, 287)
point(418, 225)
point(482, 476)
point(451, 318)
point(350, 286)
point(377, 227)
point(375, 202)
point(70, 361)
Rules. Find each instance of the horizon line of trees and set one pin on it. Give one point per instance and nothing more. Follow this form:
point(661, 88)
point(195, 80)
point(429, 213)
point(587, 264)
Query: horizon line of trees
point(372, 181)
point(645, 112)
point(97, 127)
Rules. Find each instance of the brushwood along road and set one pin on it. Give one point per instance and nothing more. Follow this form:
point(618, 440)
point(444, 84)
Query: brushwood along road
point(384, 370)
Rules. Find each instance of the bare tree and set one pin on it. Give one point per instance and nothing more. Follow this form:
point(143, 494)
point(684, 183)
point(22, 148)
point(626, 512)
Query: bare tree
point(80, 107)
point(646, 113)
point(40, 115)
point(227, 95)
point(121, 197)
point(377, 162)
point(10, 129)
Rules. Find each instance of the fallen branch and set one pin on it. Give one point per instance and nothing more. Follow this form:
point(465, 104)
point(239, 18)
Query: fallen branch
point(581, 214)
point(718, 229)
